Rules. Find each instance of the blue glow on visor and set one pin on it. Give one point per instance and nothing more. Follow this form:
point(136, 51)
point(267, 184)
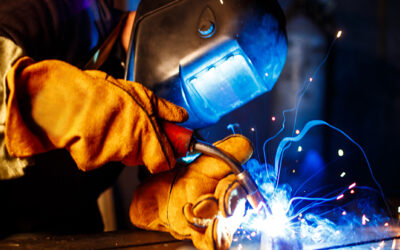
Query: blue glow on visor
point(222, 84)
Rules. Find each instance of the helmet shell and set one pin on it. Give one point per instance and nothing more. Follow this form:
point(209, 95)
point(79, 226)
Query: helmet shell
point(175, 43)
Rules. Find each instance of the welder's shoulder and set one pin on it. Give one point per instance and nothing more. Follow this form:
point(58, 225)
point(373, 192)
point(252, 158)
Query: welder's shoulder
point(14, 19)
point(10, 167)
point(46, 29)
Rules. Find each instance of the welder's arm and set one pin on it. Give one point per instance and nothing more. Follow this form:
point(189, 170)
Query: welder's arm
point(97, 118)
point(193, 202)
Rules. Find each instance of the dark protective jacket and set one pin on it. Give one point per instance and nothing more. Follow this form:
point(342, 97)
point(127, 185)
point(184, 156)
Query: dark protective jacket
point(48, 192)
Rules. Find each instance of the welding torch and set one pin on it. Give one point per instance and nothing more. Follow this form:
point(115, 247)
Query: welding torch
point(183, 142)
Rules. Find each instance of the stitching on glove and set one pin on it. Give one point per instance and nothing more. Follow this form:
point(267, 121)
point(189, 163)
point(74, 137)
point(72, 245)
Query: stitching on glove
point(169, 195)
point(148, 116)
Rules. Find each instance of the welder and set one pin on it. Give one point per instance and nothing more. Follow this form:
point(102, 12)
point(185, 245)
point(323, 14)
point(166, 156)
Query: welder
point(63, 108)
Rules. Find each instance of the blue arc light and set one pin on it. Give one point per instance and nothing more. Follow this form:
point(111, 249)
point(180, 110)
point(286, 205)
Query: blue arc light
point(216, 88)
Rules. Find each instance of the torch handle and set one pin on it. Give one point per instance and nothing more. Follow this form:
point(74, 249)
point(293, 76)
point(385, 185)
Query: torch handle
point(179, 137)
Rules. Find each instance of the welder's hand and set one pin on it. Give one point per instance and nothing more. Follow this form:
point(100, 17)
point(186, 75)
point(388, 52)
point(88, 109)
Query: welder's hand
point(95, 117)
point(192, 202)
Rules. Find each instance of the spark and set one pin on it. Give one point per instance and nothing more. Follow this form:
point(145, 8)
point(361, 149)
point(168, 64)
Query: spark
point(300, 148)
point(273, 118)
point(297, 131)
point(364, 219)
point(398, 209)
point(252, 129)
point(339, 34)
point(266, 74)
point(352, 191)
point(340, 152)
point(340, 197)
point(386, 224)
point(352, 185)
point(342, 174)
point(344, 213)
point(311, 79)
point(394, 244)
point(294, 171)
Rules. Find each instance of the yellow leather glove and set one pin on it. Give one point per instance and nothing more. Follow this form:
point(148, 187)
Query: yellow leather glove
point(95, 117)
point(191, 202)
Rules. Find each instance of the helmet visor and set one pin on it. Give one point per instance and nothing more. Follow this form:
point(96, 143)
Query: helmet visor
point(216, 88)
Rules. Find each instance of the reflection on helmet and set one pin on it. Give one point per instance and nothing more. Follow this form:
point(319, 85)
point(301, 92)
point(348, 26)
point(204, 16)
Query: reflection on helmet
point(209, 56)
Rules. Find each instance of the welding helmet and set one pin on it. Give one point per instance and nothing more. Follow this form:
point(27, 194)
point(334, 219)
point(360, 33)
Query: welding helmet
point(208, 56)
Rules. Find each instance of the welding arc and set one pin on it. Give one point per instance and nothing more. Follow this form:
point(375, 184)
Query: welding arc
point(360, 243)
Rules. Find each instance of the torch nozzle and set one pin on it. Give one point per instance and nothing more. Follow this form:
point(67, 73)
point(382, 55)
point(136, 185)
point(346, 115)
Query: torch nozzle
point(254, 196)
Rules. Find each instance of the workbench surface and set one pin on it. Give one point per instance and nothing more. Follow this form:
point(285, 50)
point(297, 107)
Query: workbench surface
point(140, 240)
point(134, 239)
